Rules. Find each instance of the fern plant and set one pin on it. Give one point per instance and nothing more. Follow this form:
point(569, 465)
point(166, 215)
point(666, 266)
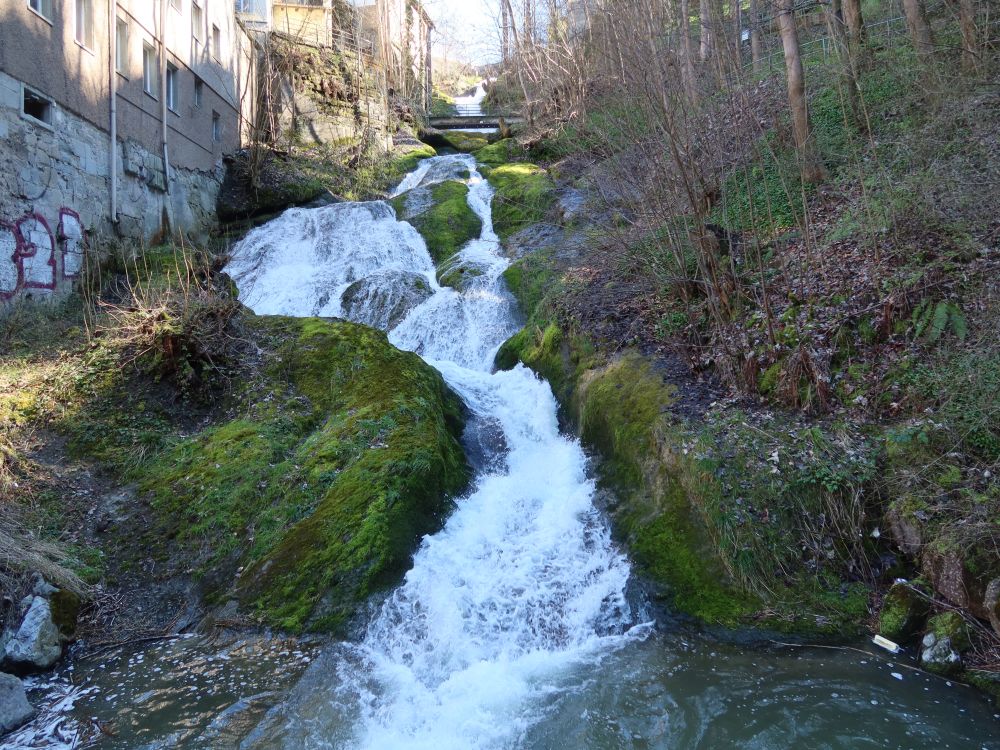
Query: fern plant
point(932, 320)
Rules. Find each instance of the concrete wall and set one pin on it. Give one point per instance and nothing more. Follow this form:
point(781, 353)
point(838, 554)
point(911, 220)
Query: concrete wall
point(55, 177)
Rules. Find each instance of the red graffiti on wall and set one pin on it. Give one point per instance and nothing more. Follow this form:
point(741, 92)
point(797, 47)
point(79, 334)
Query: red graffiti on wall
point(28, 252)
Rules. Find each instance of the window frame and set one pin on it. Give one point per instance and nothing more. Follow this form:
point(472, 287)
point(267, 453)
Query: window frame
point(87, 22)
point(197, 23)
point(122, 56)
point(216, 127)
point(39, 10)
point(49, 102)
point(171, 88)
point(216, 43)
point(151, 83)
point(199, 92)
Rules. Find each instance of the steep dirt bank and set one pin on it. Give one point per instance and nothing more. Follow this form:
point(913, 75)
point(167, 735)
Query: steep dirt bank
point(739, 510)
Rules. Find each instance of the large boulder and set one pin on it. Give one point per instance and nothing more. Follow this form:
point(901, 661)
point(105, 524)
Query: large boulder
point(14, 707)
point(382, 300)
point(36, 644)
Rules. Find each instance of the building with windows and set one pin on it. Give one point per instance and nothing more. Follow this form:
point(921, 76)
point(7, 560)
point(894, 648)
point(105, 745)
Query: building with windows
point(114, 118)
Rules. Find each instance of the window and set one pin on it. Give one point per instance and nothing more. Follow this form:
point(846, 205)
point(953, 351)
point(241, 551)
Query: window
point(216, 42)
point(199, 91)
point(36, 106)
point(150, 70)
point(197, 23)
point(171, 86)
point(85, 22)
point(121, 46)
point(216, 127)
point(42, 8)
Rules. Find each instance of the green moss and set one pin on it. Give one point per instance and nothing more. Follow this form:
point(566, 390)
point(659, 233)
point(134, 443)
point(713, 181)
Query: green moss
point(464, 142)
point(620, 409)
point(902, 614)
point(950, 625)
point(524, 193)
point(500, 153)
point(324, 489)
point(531, 279)
point(449, 224)
point(407, 161)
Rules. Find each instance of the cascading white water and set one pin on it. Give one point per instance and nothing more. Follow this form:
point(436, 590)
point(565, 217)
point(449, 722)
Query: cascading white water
point(523, 582)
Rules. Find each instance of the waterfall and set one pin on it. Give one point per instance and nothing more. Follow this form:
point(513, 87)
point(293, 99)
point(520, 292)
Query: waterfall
point(523, 583)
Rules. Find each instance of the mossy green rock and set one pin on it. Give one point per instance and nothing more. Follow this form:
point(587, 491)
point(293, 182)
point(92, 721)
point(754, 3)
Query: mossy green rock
point(344, 454)
point(952, 626)
point(65, 608)
point(903, 613)
point(448, 223)
point(524, 193)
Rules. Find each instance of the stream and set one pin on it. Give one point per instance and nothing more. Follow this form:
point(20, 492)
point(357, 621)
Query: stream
point(519, 625)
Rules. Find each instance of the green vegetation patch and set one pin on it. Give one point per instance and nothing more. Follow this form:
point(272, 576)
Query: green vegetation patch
point(502, 152)
point(524, 194)
point(347, 456)
point(463, 141)
point(448, 224)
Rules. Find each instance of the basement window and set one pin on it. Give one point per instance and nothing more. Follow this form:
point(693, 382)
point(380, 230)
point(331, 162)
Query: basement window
point(37, 106)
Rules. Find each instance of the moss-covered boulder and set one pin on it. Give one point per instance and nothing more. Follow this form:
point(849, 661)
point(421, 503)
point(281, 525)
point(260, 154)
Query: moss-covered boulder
point(903, 612)
point(499, 153)
point(524, 194)
point(342, 454)
point(446, 222)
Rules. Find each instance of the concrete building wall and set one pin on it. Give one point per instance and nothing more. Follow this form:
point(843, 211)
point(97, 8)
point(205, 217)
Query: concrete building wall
point(55, 172)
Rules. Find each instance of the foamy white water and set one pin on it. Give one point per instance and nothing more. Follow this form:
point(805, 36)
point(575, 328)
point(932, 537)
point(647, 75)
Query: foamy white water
point(523, 582)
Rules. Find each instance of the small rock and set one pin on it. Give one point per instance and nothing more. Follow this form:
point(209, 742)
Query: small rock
point(938, 656)
point(43, 587)
point(36, 644)
point(14, 707)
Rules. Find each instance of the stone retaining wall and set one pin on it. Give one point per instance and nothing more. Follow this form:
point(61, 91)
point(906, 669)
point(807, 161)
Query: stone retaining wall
point(55, 195)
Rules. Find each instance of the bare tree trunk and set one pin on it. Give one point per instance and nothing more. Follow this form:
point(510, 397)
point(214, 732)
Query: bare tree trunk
point(855, 21)
point(920, 30)
point(706, 30)
point(970, 44)
point(838, 33)
point(687, 52)
point(505, 32)
point(809, 164)
point(756, 44)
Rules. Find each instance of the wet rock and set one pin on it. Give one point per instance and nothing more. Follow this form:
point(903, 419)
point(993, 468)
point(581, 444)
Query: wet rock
point(14, 707)
point(43, 587)
point(903, 613)
point(991, 603)
point(531, 239)
point(571, 204)
point(36, 644)
point(938, 655)
point(382, 300)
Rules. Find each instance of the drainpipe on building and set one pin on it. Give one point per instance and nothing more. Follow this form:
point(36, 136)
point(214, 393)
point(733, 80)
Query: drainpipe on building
point(113, 90)
point(163, 99)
